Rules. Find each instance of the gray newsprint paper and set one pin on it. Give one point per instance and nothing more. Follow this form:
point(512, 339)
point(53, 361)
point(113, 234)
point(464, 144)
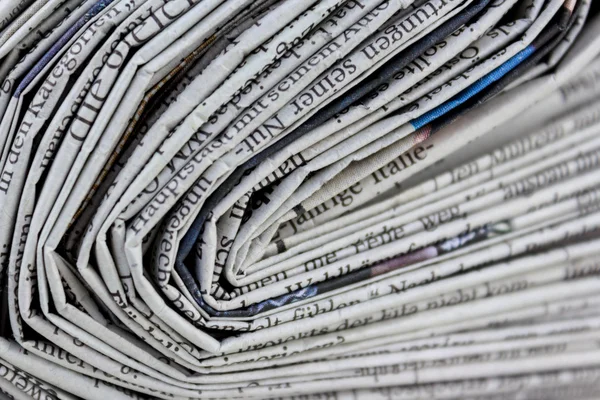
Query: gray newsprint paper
point(307, 199)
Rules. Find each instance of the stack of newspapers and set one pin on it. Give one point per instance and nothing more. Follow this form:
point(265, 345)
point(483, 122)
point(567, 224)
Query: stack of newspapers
point(300, 199)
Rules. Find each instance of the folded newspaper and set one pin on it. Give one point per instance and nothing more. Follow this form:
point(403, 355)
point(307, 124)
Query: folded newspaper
point(300, 199)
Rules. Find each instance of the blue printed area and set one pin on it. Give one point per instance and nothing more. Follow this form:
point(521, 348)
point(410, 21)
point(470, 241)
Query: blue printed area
point(60, 43)
point(270, 304)
point(253, 309)
point(474, 89)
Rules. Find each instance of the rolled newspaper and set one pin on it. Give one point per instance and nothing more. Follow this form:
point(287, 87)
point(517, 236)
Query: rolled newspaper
point(299, 199)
